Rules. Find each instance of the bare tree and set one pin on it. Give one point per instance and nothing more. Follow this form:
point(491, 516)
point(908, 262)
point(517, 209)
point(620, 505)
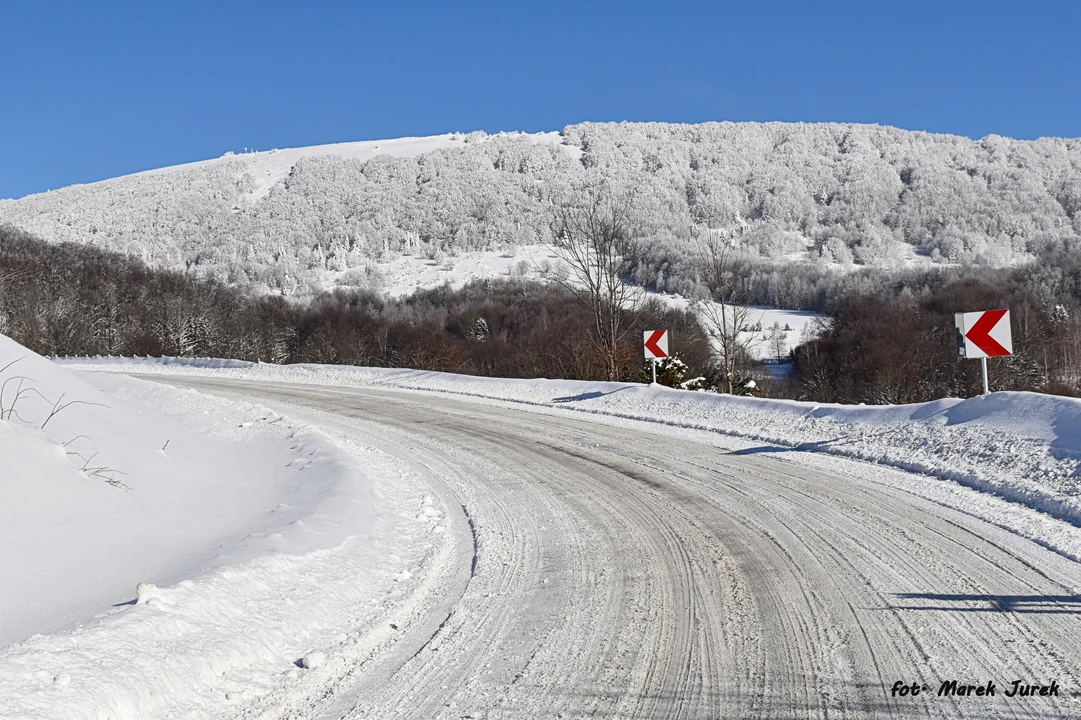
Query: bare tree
point(595, 236)
point(726, 314)
point(778, 341)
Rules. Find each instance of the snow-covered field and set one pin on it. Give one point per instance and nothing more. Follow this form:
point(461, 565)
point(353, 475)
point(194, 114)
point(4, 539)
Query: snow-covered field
point(775, 332)
point(407, 274)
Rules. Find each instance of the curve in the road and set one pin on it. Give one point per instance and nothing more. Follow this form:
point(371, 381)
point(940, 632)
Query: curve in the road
point(605, 572)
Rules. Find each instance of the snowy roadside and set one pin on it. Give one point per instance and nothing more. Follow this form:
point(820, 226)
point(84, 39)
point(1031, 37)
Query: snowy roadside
point(255, 538)
point(1022, 447)
point(280, 628)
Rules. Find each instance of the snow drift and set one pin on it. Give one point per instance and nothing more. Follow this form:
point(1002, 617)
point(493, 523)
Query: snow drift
point(103, 489)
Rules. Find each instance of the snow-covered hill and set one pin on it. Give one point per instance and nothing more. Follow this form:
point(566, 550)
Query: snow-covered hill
point(294, 220)
point(271, 167)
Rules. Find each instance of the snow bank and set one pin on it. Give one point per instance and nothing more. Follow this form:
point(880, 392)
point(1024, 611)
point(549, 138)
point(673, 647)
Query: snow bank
point(1023, 447)
point(103, 489)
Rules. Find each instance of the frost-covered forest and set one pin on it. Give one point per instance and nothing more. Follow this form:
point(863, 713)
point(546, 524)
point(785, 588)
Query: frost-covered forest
point(834, 194)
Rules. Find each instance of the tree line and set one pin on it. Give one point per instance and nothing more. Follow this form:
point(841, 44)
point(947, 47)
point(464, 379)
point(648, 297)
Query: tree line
point(72, 299)
point(883, 339)
point(897, 343)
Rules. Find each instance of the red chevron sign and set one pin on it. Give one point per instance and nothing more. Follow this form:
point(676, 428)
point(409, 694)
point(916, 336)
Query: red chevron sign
point(656, 343)
point(984, 334)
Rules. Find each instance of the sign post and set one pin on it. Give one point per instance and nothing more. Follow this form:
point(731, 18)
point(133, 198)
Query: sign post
point(983, 335)
point(655, 343)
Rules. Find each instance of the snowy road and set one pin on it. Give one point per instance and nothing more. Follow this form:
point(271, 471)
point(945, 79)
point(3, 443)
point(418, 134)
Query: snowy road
point(599, 571)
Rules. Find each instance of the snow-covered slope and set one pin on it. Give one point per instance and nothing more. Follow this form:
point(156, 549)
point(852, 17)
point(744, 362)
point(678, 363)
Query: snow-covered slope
point(268, 168)
point(833, 193)
point(103, 488)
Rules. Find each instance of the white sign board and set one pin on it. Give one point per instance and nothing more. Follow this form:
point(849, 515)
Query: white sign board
point(984, 334)
point(655, 343)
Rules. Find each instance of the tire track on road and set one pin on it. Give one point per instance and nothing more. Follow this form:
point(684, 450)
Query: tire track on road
point(626, 575)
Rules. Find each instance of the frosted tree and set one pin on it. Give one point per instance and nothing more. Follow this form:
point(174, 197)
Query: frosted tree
point(778, 341)
point(480, 331)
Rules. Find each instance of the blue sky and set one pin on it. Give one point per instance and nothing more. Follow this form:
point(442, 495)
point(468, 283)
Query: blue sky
point(95, 90)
